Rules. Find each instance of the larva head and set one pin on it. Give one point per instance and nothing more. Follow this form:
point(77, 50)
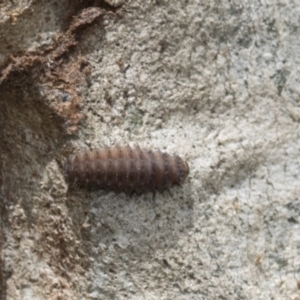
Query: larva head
point(182, 169)
point(186, 170)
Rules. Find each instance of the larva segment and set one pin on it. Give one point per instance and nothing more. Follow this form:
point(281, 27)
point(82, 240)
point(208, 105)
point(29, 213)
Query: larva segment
point(146, 169)
point(138, 165)
point(172, 171)
point(154, 170)
point(126, 156)
point(109, 172)
point(126, 169)
point(120, 168)
point(134, 169)
point(159, 170)
point(93, 165)
point(87, 167)
point(167, 165)
point(68, 169)
point(115, 165)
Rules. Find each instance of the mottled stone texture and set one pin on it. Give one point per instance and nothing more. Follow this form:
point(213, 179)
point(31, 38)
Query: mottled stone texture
point(216, 82)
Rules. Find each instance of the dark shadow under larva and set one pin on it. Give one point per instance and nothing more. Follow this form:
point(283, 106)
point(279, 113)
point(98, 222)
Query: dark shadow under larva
point(126, 169)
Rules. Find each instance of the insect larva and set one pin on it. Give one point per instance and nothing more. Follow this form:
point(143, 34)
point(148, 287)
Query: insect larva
point(126, 169)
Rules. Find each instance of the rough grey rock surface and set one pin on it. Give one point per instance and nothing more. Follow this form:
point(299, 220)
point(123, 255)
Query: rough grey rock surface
point(216, 82)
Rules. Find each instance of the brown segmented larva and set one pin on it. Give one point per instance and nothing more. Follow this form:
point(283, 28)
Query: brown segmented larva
point(126, 169)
